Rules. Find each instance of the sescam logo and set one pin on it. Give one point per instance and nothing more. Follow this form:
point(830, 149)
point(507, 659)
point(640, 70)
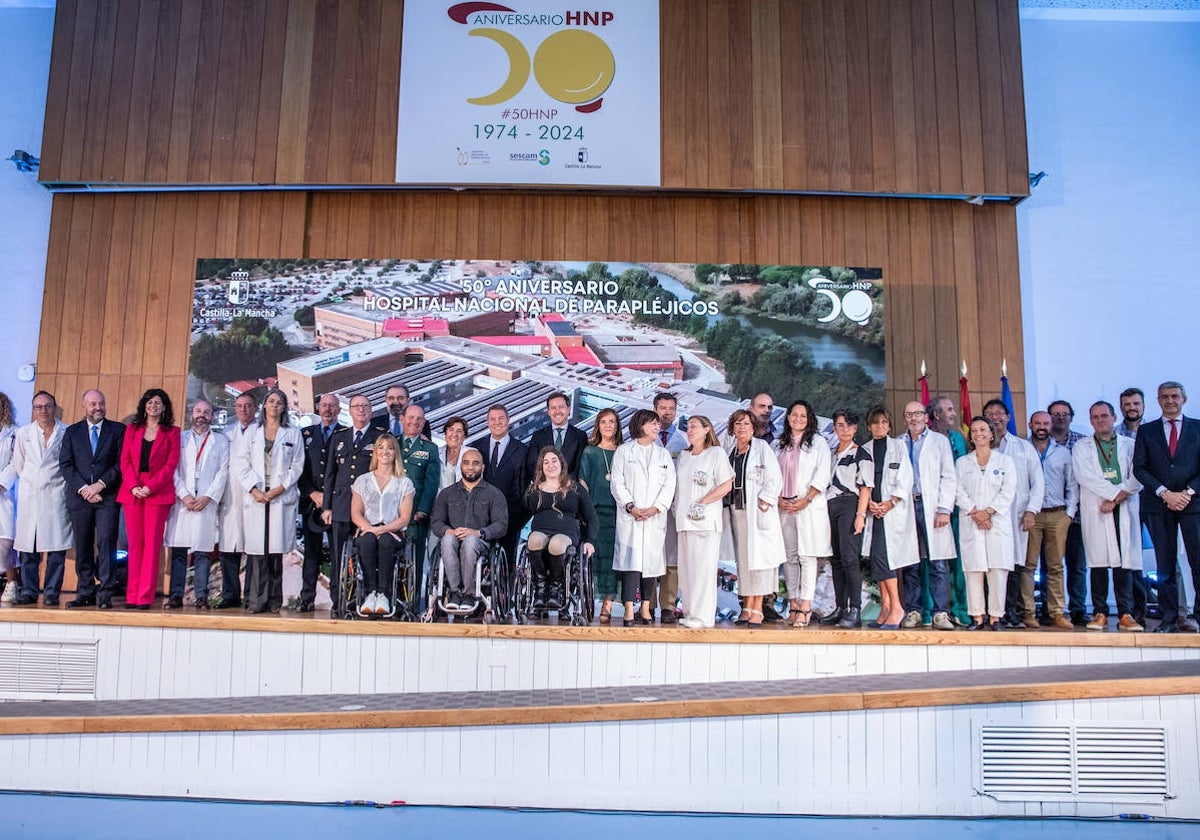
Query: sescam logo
point(573, 66)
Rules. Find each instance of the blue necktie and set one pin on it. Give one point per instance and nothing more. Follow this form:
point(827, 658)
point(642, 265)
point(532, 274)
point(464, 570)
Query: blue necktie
point(327, 431)
point(95, 438)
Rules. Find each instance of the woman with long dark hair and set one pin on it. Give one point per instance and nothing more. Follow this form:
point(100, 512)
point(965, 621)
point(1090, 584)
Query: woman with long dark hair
point(149, 456)
point(595, 474)
point(848, 495)
point(805, 466)
point(559, 506)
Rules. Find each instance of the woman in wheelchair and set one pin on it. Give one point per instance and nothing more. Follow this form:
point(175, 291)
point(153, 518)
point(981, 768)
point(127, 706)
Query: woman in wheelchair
point(559, 506)
point(380, 507)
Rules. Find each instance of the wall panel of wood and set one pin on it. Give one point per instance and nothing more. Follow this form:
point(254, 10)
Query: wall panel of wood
point(911, 97)
point(120, 270)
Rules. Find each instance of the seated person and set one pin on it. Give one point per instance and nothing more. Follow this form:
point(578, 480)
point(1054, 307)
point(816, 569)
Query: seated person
point(467, 516)
point(558, 504)
point(380, 507)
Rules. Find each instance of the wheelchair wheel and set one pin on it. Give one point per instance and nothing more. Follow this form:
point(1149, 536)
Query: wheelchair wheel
point(496, 577)
point(433, 587)
point(349, 575)
point(522, 588)
point(407, 599)
point(584, 589)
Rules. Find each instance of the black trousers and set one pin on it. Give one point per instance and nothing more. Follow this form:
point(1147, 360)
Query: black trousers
point(314, 556)
point(847, 549)
point(95, 530)
point(1164, 531)
point(1122, 584)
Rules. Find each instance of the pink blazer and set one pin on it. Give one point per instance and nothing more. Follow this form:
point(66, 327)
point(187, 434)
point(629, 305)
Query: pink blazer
point(164, 457)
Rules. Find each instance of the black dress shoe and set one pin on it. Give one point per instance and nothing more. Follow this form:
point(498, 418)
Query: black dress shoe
point(831, 618)
point(102, 604)
point(25, 600)
point(130, 606)
point(82, 601)
point(143, 607)
point(227, 604)
point(975, 625)
point(174, 603)
point(202, 604)
point(850, 620)
point(50, 601)
point(306, 606)
point(1167, 627)
point(667, 617)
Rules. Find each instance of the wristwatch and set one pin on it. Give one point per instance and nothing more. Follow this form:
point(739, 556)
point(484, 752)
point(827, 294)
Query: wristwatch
point(629, 507)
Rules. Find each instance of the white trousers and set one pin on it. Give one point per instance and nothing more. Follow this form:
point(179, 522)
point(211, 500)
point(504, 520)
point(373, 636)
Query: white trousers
point(799, 571)
point(997, 586)
point(698, 552)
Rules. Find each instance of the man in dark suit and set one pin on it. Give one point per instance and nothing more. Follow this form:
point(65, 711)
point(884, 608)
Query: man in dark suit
point(397, 400)
point(423, 468)
point(312, 494)
point(1166, 460)
point(349, 456)
point(504, 460)
point(90, 459)
point(567, 439)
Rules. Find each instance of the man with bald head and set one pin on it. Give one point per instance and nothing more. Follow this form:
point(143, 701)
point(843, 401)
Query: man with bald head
point(90, 459)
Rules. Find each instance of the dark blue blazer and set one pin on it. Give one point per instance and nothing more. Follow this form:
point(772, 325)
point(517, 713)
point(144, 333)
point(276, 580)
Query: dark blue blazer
point(345, 462)
point(574, 442)
point(315, 452)
point(1154, 467)
point(509, 477)
point(80, 467)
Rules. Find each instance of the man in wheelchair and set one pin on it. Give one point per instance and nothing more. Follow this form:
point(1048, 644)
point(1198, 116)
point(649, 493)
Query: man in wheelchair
point(467, 517)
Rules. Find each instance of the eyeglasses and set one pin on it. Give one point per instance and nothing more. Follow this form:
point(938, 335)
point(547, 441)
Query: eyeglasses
point(914, 414)
point(1061, 414)
point(43, 406)
point(361, 407)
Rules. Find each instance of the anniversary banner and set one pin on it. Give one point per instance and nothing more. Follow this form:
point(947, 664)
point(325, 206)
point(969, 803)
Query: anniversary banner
point(529, 92)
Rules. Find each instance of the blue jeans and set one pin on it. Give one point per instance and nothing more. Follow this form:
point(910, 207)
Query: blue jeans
point(939, 585)
point(56, 563)
point(179, 561)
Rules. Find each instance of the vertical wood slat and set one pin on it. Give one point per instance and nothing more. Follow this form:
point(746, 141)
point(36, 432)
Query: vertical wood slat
point(78, 90)
point(62, 51)
point(766, 94)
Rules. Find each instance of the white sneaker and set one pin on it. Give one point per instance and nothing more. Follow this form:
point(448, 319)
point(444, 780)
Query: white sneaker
point(10, 593)
point(368, 604)
point(382, 607)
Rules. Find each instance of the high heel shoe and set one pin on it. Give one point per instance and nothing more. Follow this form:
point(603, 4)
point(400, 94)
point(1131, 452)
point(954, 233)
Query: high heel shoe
point(753, 615)
point(644, 620)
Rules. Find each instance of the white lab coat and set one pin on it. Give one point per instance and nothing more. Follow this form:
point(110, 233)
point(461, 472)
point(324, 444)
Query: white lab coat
point(994, 487)
point(764, 533)
point(939, 487)
point(229, 515)
point(1100, 543)
point(900, 523)
point(640, 545)
point(206, 476)
point(813, 469)
point(42, 521)
point(8, 524)
point(1030, 491)
point(287, 463)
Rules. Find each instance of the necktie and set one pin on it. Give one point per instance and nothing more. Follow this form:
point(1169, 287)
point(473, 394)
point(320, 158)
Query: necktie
point(358, 438)
point(95, 438)
point(495, 454)
point(664, 434)
point(397, 430)
point(558, 436)
point(1173, 441)
point(326, 431)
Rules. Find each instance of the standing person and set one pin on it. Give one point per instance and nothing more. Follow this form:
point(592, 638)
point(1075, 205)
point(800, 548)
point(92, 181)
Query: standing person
point(890, 540)
point(665, 595)
point(149, 456)
point(468, 517)
point(42, 524)
point(91, 465)
point(422, 467)
point(1166, 460)
point(1109, 514)
point(316, 441)
point(849, 494)
point(1048, 536)
point(269, 471)
point(559, 507)
point(1133, 407)
point(454, 432)
point(943, 419)
point(643, 484)
point(504, 468)
point(595, 474)
point(753, 503)
point(933, 493)
point(761, 409)
point(232, 541)
point(1061, 416)
point(391, 419)
point(804, 465)
point(987, 486)
point(1030, 492)
point(200, 481)
point(702, 478)
point(8, 511)
point(349, 457)
point(381, 507)
point(568, 439)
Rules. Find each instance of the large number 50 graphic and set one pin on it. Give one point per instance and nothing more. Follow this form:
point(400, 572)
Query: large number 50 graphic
point(572, 65)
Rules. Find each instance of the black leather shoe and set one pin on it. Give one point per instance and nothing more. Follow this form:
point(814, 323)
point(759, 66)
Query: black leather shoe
point(1079, 619)
point(102, 604)
point(25, 600)
point(49, 600)
point(82, 601)
point(227, 604)
point(667, 617)
point(830, 619)
point(306, 606)
point(1188, 625)
point(851, 620)
point(143, 607)
point(1167, 627)
point(130, 606)
point(174, 603)
point(202, 604)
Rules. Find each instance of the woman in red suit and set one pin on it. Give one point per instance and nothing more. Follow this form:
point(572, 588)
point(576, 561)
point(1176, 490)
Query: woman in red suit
point(149, 456)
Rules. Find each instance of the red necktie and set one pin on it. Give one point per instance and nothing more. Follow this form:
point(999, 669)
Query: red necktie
point(665, 434)
point(1173, 441)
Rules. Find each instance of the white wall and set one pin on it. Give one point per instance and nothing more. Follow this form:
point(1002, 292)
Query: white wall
point(1110, 240)
point(24, 205)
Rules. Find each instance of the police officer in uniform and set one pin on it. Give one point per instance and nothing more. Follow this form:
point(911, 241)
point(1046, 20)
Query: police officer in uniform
point(423, 468)
point(312, 493)
point(348, 457)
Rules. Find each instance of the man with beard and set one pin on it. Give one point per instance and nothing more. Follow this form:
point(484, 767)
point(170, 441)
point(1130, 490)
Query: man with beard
point(761, 408)
point(201, 480)
point(1133, 406)
point(397, 399)
point(468, 516)
point(504, 468)
point(1061, 416)
point(1049, 532)
point(312, 494)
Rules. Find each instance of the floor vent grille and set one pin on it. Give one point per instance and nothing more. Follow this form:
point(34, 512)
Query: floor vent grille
point(33, 669)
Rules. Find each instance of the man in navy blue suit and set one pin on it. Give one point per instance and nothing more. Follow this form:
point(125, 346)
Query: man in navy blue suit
point(504, 459)
point(1166, 460)
point(567, 439)
point(90, 459)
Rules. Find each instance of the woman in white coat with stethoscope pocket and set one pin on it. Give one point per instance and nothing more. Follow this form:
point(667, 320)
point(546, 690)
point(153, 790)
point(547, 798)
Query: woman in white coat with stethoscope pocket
point(987, 486)
point(643, 485)
point(805, 467)
point(890, 538)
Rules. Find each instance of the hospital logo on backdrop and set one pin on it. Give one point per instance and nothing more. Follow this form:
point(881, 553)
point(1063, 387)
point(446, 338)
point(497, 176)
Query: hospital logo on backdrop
point(239, 287)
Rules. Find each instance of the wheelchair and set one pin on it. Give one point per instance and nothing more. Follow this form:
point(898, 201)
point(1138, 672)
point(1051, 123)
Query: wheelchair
point(492, 597)
point(579, 602)
point(402, 601)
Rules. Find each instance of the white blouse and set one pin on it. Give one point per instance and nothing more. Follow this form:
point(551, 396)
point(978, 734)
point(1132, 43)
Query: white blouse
point(382, 506)
point(696, 476)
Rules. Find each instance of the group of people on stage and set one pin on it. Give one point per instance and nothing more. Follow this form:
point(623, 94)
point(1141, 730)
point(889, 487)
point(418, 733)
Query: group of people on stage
point(951, 528)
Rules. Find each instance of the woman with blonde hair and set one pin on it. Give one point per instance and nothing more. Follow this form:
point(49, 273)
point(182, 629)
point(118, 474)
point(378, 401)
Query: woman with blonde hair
point(702, 478)
point(381, 505)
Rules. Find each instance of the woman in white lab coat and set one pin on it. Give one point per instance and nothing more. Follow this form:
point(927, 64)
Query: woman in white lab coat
point(804, 466)
point(753, 504)
point(643, 485)
point(269, 469)
point(8, 523)
point(890, 538)
point(703, 477)
point(987, 485)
